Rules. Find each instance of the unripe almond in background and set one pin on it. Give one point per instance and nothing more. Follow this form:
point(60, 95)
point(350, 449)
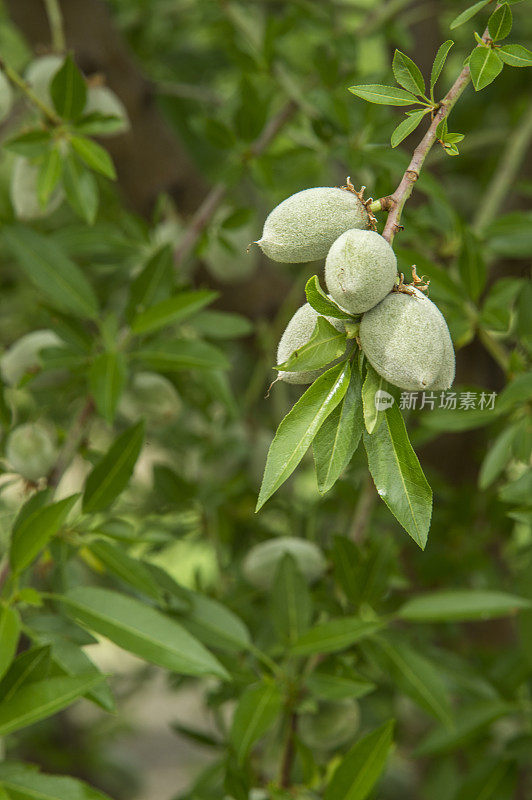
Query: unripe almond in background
point(406, 340)
point(260, 564)
point(152, 396)
point(24, 355)
point(360, 270)
point(6, 96)
point(105, 101)
point(39, 75)
point(334, 724)
point(23, 191)
point(31, 450)
point(296, 334)
point(304, 226)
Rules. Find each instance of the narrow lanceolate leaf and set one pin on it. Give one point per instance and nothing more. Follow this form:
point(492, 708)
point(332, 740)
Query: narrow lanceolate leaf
point(406, 127)
point(407, 73)
point(171, 311)
point(398, 476)
point(258, 708)
point(153, 284)
point(468, 14)
point(24, 782)
point(372, 399)
point(49, 175)
point(297, 430)
point(415, 675)
point(455, 605)
point(111, 474)
point(29, 666)
point(471, 721)
point(141, 630)
point(68, 90)
point(321, 303)
point(326, 344)
point(214, 624)
point(94, 156)
point(333, 636)
point(42, 699)
point(81, 189)
point(127, 568)
point(53, 273)
point(339, 436)
point(362, 766)
point(35, 531)
point(178, 354)
point(383, 95)
point(9, 635)
point(484, 65)
point(107, 378)
point(290, 604)
point(500, 22)
point(497, 457)
point(515, 55)
point(439, 61)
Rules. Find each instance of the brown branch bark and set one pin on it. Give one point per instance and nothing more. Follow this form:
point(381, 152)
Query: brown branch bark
point(398, 199)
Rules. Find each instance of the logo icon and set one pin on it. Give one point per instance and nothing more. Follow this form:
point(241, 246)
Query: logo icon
point(383, 400)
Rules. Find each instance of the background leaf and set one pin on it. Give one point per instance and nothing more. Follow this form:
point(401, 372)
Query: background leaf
point(362, 766)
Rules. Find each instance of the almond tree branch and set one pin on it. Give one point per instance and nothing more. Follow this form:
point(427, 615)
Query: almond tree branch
point(395, 202)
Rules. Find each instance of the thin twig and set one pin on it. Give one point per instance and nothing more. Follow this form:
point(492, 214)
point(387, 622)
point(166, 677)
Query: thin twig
point(501, 181)
point(71, 444)
point(55, 21)
point(398, 199)
point(26, 89)
point(289, 752)
point(362, 514)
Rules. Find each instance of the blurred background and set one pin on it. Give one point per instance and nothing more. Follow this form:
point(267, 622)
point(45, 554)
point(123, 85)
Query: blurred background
point(229, 107)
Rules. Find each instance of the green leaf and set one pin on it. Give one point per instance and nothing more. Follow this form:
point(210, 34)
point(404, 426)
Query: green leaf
point(497, 457)
point(407, 73)
point(127, 568)
point(383, 95)
point(94, 156)
point(29, 666)
point(214, 624)
point(33, 534)
point(500, 23)
point(154, 283)
point(81, 189)
point(326, 344)
point(398, 476)
point(111, 474)
point(406, 127)
point(177, 354)
point(25, 782)
point(415, 675)
point(333, 636)
point(439, 61)
point(515, 55)
point(290, 603)
point(484, 65)
point(53, 273)
point(469, 723)
point(374, 384)
point(467, 14)
point(517, 391)
point(107, 378)
point(257, 710)
point(141, 630)
point(461, 605)
point(472, 265)
point(9, 636)
point(98, 124)
point(338, 438)
point(321, 303)
point(221, 325)
point(49, 174)
point(362, 766)
point(336, 687)
point(42, 699)
point(68, 90)
point(31, 144)
point(511, 235)
point(171, 311)
point(297, 430)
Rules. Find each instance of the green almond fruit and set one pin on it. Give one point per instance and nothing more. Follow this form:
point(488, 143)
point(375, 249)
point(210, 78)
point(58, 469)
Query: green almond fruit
point(6, 96)
point(406, 340)
point(24, 355)
point(39, 75)
point(334, 724)
point(105, 101)
point(297, 333)
point(151, 396)
point(31, 451)
point(304, 226)
point(23, 191)
point(360, 270)
point(260, 564)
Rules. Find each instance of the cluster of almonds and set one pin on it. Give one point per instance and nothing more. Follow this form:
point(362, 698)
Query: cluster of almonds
point(402, 333)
